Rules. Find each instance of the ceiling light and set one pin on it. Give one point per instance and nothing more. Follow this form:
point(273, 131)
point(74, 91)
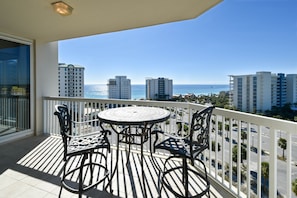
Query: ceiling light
point(62, 8)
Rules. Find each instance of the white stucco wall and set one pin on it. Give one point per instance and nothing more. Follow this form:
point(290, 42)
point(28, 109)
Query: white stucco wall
point(46, 78)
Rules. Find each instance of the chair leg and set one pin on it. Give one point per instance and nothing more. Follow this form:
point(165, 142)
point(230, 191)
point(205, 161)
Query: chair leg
point(206, 178)
point(160, 186)
point(161, 177)
point(63, 176)
point(85, 156)
point(60, 193)
point(185, 177)
point(112, 172)
point(91, 168)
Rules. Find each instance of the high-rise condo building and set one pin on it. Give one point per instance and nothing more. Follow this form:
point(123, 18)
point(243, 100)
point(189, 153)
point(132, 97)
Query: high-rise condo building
point(261, 91)
point(159, 89)
point(292, 88)
point(119, 88)
point(71, 80)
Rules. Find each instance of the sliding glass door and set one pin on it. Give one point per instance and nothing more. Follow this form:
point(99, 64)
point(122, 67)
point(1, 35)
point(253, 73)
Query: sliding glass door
point(14, 86)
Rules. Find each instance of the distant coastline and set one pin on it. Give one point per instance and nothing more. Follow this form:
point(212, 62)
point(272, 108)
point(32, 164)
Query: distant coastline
point(173, 84)
point(138, 90)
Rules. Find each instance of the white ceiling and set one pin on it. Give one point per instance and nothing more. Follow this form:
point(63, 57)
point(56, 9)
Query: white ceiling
point(36, 19)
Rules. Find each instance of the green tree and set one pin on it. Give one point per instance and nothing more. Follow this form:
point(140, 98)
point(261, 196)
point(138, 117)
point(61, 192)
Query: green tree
point(213, 146)
point(227, 127)
point(265, 175)
point(294, 186)
point(243, 135)
point(234, 153)
point(283, 144)
point(284, 112)
point(265, 170)
point(220, 127)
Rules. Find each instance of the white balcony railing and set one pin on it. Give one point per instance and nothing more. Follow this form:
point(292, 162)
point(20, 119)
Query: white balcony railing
point(258, 136)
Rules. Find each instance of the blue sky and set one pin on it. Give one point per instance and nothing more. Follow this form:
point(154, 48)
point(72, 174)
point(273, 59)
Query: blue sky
point(234, 38)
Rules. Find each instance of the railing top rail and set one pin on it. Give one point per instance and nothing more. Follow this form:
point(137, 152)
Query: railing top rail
point(121, 101)
point(269, 122)
point(272, 123)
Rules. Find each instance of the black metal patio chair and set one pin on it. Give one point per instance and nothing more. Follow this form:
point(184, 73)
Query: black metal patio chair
point(188, 147)
point(82, 147)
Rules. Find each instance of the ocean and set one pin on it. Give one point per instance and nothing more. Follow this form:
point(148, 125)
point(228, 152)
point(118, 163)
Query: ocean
point(138, 91)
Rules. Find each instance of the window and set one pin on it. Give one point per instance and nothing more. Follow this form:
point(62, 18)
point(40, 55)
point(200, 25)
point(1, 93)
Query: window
point(14, 87)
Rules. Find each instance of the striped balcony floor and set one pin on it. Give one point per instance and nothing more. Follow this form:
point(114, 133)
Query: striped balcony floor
point(31, 167)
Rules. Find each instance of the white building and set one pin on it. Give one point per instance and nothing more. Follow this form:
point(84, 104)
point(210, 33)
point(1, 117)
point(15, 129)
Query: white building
point(261, 91)
point(159, 89)
point(264, 91)
point(119, 88)
point(71, 80)
point(242, 92)
point(292, 88)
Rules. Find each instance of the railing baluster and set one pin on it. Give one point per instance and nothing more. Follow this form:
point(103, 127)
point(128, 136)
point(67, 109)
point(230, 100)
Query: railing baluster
point(230, 153)
point(259, 170)
point(239, 157)
point(273, 163)
point(223, 148)
point(289, 165)
point(248, 159)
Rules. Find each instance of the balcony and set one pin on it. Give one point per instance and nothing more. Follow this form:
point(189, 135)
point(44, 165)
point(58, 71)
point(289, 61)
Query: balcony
point(34, 165)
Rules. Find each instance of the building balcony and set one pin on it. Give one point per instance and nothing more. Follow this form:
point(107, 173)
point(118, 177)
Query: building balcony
point(33, 165)
point(32, 168)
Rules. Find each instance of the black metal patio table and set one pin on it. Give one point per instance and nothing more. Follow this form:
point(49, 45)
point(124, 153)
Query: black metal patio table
point(131, 124)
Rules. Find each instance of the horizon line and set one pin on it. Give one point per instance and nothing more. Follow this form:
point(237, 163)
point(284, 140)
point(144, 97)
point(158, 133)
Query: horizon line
point(144, 84)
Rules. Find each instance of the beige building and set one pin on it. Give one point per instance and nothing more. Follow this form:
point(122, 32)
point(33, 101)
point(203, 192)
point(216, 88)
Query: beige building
point(119, 88)
point(71, 80)
point(159, 89)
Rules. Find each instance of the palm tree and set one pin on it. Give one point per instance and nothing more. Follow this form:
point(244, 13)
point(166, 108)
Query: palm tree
point(283, 144)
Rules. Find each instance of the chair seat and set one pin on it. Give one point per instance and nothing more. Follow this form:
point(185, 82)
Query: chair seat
point(175, 146)
point(180, 147)
point(80, 144)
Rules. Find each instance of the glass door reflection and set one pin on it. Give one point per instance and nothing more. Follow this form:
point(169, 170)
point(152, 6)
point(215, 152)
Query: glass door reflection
point(14, 87)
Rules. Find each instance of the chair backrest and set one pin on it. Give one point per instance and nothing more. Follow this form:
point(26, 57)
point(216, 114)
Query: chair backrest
point(199, 133)
point(64, 117)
